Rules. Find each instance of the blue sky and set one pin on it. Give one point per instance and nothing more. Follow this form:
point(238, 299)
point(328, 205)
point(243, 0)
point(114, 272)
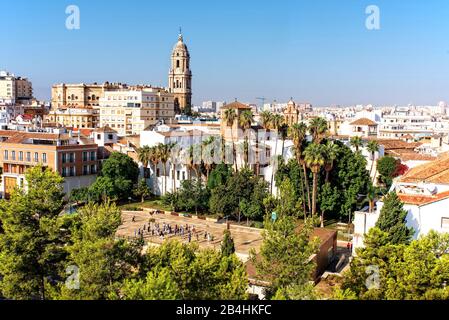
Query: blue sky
point(317, 51)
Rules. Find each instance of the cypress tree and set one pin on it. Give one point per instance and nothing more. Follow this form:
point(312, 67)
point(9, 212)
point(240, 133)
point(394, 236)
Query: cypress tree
point(227, 246)
point(392, 220)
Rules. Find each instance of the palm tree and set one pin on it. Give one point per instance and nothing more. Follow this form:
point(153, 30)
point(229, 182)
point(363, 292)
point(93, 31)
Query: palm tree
point(265, 122)
point(209, 156)
point(373, 147)
point(356, 142)
point(230, 116)
point(154, 159)
point(298, 133)
point(314, 158)
point(143, 155)
point(372, 192)
point(164, 156)
point(318, 128)
point(276, 122)
point(190, 161)
point(174, 158)
point(331, 151)
point(245, 120)
point(283, 132)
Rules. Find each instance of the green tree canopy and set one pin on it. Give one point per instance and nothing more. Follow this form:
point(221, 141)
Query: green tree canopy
point(117, 178)
point(31, 245)
point(284, 258)
point(386, 271)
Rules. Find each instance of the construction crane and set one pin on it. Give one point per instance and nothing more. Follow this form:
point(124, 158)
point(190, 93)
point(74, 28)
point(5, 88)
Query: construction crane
point(263, 99)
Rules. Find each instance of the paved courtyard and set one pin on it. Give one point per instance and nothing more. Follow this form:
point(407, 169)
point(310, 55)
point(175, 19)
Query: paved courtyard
point(244, 238)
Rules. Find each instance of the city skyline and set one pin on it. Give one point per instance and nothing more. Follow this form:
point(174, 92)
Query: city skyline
point(320, 53)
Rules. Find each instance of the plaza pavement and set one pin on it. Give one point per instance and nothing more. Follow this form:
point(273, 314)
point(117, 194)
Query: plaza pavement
point(245, 238)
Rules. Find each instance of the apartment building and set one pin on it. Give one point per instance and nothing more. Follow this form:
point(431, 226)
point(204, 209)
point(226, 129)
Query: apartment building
point(15, 89)
point(403, 121)
point(130, 111)
point(77, 117)
point(74, 159)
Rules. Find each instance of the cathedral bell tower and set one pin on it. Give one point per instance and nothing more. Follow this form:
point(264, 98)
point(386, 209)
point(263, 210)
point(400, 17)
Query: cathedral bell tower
point(180, 76)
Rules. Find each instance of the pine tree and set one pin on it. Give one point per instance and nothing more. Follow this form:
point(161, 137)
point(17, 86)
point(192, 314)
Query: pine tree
point(31, 245)
point(392, 220)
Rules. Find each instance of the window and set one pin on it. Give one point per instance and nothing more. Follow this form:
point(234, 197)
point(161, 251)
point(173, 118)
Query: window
point(93, 169)
point(20, 156)
point(84, 155)
point(64, 172)
point(110, 136)
point(72, 157)
point(183, 175)
point(177, 63)
point(6, 155)
point(72, 171)
point(85, 170)
point(44, 158)
point(28, 156)
point(445, 223)
point(36, 157)
point(93, 155)
point(64, 158)
point(98, 136)
point(13, 155)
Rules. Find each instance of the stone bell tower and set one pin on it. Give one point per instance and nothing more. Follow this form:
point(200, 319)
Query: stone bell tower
point(180, 76)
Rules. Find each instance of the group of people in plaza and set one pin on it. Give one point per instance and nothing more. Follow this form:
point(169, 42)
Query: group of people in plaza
point(156, 229)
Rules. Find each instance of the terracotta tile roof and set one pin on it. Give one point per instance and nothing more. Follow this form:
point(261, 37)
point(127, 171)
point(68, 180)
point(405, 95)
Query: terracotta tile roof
point(236, 105)
point(105, 129)
point(421, 200)
point(19, 136)
point(363, 122)
point(84, 132)
point(436, 171)
point(408, 155)
point(397, 144)
point(7, 133)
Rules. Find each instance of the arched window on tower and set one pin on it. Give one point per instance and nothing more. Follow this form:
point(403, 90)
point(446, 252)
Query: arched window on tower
point(177, 63)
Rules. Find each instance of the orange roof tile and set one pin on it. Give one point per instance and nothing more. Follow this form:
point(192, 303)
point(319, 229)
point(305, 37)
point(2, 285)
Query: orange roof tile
point(363, 122)
point(421, 200)
point(236, 105)
point(436, 171)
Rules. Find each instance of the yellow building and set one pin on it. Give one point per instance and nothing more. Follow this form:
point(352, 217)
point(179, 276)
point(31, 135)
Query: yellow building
point(79, 95)
point(74, 117)
point(131, 111)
